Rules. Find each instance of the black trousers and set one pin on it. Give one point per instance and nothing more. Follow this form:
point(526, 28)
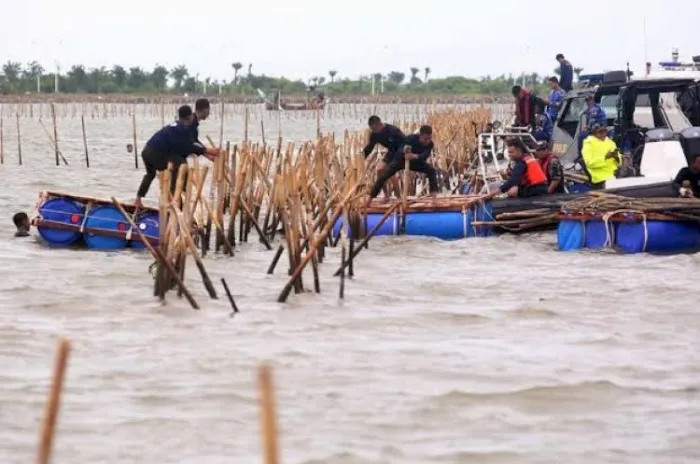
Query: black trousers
point(397, 165)
point(532, 191)
point(598, 186)
point(155, 161)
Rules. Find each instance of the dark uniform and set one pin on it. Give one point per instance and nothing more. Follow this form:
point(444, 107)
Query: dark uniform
point(397, 163)
point(390, 138)
point(171, 144)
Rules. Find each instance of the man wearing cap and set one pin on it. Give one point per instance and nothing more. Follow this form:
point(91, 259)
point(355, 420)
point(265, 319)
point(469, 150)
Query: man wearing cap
point(600, 155)
point(171, 144)
point(552, 168)
point(594, 113)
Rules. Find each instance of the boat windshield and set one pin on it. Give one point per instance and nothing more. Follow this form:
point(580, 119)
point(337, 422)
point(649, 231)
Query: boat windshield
point(643, 116)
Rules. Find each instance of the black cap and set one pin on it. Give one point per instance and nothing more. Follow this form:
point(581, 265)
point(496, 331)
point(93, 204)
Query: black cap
point(184, 111)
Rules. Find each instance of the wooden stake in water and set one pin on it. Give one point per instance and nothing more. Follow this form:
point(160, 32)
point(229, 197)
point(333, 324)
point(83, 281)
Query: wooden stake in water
point(136, 148)
point(245, 125)
point(53, 402)
point(2, 144)
point(87, 157)
point(268, 416)
point(19, 140)
point(55, 133)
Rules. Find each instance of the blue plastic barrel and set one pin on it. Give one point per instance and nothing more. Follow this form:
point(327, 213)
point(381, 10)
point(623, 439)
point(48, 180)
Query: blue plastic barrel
point(149, 225)
point(597, 231)
point(578, 187)
point(109, 219)
point(443, 225)
point(480, 213)
point(661, 236)
point(571, 234)
point(390, 226)
point(64, 211)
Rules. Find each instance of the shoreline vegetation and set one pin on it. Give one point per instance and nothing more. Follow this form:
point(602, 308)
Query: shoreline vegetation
point(29, 83)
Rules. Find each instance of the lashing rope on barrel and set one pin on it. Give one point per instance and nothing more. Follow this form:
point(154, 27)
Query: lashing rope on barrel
point(608, 229)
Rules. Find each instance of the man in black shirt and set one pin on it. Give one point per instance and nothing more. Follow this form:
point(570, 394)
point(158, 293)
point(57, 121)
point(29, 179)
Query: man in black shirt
point(687, 181)
point(388, 136)
point(417, 148)
point(201, 113)
point(171, 144)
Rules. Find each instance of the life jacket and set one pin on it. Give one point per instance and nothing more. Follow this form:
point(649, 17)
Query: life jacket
point(544, 164)
point(534, 175)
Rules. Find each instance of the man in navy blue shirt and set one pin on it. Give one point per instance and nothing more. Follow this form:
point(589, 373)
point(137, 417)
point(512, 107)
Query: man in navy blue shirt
point(566, 73)
point(417, 148)
point(201, 113)
point(171, 144)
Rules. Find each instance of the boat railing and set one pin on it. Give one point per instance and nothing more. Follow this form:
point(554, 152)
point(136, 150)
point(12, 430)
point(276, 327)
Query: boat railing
point(491, 144)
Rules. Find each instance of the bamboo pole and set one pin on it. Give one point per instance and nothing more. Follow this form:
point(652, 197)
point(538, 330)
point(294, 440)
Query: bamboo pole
point(268, 416)
point(55, 132)
point(85, 145)
point(19, 140)
point(136, 148)
point(53, 402)
point(2, 143)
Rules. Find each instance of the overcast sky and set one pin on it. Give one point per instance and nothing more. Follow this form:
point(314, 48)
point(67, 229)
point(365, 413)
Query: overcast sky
point(303, 38)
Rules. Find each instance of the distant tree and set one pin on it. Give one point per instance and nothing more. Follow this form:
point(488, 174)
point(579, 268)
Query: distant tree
point(137, 79)
point(396, 77)
point(159, 78)
point(427, 73)
point(96, 79)
point(332, 73)
point(236, 67)
point(321, 80)
point(414, 74)
point(250, 70)
point(179, 74)
point(190, 85)
point(577, 72)
point(12, 71)
point(119, 75)
point(557, 71)
point(77, 78)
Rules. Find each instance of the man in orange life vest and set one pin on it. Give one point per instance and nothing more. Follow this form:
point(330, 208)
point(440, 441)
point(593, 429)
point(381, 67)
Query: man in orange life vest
point(552, 168)
point(526, 178)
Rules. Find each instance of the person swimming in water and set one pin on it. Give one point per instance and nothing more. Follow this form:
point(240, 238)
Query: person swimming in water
point(21, 221)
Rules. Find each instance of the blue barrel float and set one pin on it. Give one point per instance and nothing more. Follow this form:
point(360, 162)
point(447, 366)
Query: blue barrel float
point(445, 225)
point(65, 219)
point(627, 234)
point(62, 211)
point(149, 225)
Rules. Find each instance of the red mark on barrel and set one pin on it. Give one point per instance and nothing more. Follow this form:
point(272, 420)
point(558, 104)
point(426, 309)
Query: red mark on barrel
point(74, 218)
point(121, 226)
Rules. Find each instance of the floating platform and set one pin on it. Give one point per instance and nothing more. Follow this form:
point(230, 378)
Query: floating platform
point(627, 232)
point(65, 220)
point(446, 218)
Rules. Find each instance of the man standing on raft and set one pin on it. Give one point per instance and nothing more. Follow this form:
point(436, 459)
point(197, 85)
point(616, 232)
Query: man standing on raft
point(417, 150)
point(171, 144)
point(388, 136)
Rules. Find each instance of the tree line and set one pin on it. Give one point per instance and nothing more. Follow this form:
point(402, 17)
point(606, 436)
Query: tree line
point(17, 78)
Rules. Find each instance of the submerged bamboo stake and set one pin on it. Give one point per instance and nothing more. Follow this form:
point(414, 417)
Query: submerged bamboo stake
point(268, 416)
point(19, 140)
point(87, 156)
point(55, 132)
point(53, 402)
point(2, 144)
point(157, 254)
point(136, 148)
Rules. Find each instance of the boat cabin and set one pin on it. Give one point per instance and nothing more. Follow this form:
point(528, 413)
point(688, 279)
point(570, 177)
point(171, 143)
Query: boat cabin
point(654, 122)
point(670, 103)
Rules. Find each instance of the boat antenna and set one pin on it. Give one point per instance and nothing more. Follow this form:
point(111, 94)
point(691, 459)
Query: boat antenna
point(646, 58)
